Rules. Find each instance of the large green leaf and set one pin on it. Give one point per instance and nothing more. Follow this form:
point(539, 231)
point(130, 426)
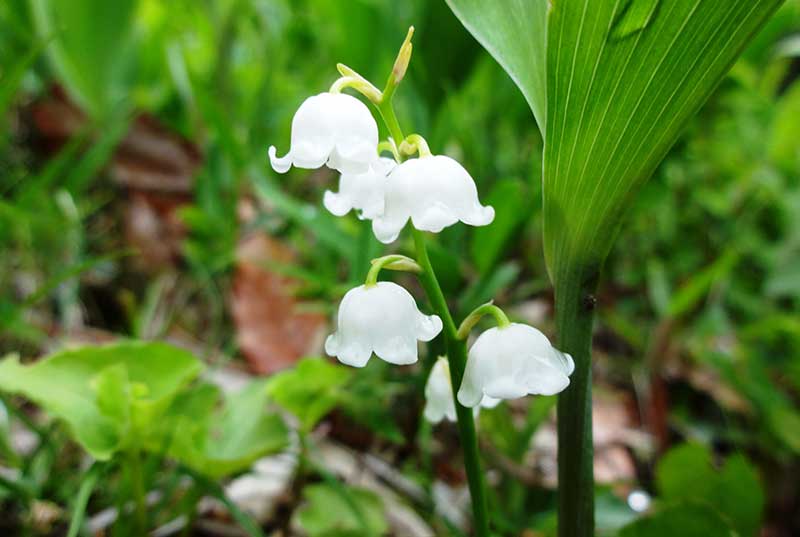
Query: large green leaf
point(310, 389)
point(686, 520)
point(335, 510)
point(686, 474)
point(219, 436)
point(89, 46)
point(622, 79)
point(513, 31)
point(614, 82)
point(111, 395)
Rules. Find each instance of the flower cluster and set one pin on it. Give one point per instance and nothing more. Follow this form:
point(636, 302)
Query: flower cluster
point(431, 192)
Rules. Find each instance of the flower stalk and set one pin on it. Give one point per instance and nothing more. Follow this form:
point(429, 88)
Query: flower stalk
point(574, 317)
point(415, 143)
point(472, 319)
point(457, 356)
point(390, 262)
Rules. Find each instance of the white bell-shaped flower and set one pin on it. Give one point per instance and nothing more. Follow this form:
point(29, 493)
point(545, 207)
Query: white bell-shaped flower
point(363, 192)
point(434, 192)
point(334, 129)
point(439, 403)
point(381, 318)
point(513, 361)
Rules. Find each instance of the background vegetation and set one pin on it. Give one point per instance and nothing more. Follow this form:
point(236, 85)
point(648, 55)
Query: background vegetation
point(137, 203)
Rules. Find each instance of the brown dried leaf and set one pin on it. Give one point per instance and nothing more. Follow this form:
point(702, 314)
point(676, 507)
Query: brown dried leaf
point(154, 228)
point(272, 331)
point(150, 157)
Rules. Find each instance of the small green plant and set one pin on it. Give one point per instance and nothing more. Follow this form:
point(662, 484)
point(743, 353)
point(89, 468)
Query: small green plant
point(134, 402)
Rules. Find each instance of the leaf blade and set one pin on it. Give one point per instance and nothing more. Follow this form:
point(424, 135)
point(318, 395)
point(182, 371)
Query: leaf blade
point(513, 32)
point(615, 106)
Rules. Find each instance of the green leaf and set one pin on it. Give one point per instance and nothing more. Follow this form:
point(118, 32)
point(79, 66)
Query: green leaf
point(622, 79)
point(309, 390)
point(90, 39)
point(697, 287)
point(106, 394)
point(686, 520)
point(512, 206)
point(339, 510)
point(219, 438)
point(783, 145)
point(11, 80)
point(686, 474)
point(513, 31)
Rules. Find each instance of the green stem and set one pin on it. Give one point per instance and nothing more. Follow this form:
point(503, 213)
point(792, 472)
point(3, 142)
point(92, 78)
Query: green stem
point(21, 491)
point(414, 143)
point(457, 356)
point(386, 111)
point(243, 519)
point(138, 490)
point(390, 262)
point(472, 319)
point(82, 499)
point(574, 317)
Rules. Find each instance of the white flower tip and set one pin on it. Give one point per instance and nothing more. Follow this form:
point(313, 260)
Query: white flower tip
point(432, 415)
point(398, 351)
point(481, 216)
point(384, 231)
point(280, 165)
point(337, 204)
point(435, 218)
point(428, 327)
point(570, 363)
point(489, 402)
point(469, 396)
point(352, 357)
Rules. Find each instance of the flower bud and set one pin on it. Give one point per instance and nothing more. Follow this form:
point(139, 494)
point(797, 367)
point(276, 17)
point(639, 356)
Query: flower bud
point(439, 402)
point(381, 318)
point(513, 361)
point(434, 192)
point(334, 129)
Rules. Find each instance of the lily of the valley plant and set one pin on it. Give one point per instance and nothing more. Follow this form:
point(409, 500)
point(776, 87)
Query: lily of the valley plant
point(418, 190)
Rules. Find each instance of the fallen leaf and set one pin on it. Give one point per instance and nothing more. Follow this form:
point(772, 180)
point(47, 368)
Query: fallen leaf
point(272, 330)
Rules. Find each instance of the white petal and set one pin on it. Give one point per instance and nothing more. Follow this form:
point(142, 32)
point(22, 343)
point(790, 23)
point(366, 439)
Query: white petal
point(382, 318)
point(471, 392)
point(331, 128)
point(439, 393)
point(479, 216)
point(490, 402)
point(510, 362)
point(337, 204)
point(361, 191)
point(352, 354)
point(544, 379)
point(505, 387)
point(282, 164)
point(435, 218)
point(310, 154)
point(434, 192)
point(428, 326)
point(387, 229)
point(397, 350)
